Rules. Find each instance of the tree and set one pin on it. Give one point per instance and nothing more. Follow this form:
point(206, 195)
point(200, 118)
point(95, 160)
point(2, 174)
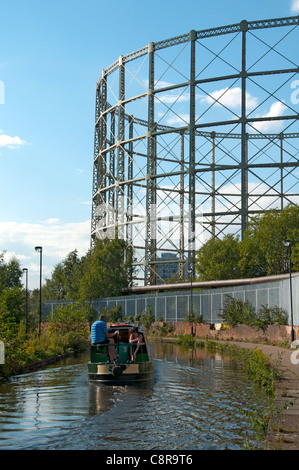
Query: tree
point(65, 279)
point(10, 273)
point(262, 250)
point(218, 259)
point(106, 269)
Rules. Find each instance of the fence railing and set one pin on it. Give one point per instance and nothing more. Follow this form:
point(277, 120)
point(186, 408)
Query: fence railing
point(174, 306)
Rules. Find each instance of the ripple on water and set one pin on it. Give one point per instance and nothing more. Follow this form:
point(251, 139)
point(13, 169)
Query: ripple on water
point(192, 404)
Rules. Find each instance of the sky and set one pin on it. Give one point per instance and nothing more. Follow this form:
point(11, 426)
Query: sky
point(51, 57)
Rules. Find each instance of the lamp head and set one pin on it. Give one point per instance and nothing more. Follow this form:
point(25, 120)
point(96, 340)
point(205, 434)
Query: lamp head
point(286, 242)
point(39, 248)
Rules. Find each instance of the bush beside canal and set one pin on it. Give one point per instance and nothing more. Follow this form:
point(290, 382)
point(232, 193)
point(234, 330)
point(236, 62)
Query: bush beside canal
point(66, 331)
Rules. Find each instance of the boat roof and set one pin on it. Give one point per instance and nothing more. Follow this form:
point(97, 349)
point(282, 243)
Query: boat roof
point(126, 326)
point(121, 325)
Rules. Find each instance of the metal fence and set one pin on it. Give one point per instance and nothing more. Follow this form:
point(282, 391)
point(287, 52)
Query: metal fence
point(174, 306)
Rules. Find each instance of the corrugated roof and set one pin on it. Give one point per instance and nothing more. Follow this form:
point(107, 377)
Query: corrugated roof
point(210, 284)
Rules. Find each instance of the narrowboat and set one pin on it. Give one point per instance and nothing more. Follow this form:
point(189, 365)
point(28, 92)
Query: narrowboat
point(134, 362)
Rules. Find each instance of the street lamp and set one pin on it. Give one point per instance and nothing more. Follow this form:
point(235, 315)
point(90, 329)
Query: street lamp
point(287, 244)
point(190, 272)
point(40, 250)
point(25, 270)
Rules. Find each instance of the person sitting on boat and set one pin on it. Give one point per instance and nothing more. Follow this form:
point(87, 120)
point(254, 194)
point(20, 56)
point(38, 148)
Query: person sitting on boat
point(100, 335)
point(135, 337)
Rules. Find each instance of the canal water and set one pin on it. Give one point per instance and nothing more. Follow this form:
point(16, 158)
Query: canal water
point(195, 402)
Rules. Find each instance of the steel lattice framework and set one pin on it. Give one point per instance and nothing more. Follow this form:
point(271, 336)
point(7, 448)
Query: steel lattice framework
point(193, 136)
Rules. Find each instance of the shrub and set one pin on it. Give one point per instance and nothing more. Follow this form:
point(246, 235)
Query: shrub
point(186, 340)
point(146, 318)
point(72, 317)
point(194, 318)
point(272, 315)
point(236, 311)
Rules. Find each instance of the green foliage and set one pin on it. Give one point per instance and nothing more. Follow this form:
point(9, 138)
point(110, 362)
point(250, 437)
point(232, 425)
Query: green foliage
point(161, 330)
point(236, 311)
point(11, 311)
point(69, 318)
point(14, 301)
point(261, 252)
point(106, 269)
point(186, 340)
point(272, 316)
point(65, 279)
point(193, 317)
point(218, 259)
point(10, 273)
point(146, 318)
point(68, 330)
point(103, 272)
point(258, 367)
point(113, 315)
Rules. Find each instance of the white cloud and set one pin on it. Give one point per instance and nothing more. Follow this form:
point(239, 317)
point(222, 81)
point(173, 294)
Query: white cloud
point(295, 6)
point(12, 254)
point(231, 98)
point(171, 98)
point(276, 109)
point(161, 84)
point(180, 120)
point(57, 240)
point(52, 221)
point(11, 142)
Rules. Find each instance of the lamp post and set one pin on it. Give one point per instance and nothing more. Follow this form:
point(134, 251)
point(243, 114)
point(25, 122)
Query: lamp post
point(190, 272)
point(25, 270)
point(40, 250)
point(287, 244)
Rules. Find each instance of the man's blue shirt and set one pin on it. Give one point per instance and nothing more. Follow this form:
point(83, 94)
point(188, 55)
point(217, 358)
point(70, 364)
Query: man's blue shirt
point(98, 330)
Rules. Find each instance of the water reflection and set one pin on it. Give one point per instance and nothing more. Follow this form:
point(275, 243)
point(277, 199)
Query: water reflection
point(194, 403)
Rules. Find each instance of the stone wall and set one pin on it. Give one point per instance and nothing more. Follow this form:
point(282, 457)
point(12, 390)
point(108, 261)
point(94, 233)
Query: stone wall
point(274, 334)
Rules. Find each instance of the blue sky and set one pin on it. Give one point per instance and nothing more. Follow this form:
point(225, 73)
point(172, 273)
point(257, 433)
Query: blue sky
point(52, 54)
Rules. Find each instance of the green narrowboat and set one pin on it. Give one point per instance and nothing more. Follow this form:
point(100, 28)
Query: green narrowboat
point(130, 367)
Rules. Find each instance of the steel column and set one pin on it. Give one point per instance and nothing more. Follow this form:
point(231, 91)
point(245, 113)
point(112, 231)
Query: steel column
point(191, 235)
point(151, 200)
point(244, 156)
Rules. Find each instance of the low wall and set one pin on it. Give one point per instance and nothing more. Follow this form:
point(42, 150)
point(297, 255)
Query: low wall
point(275, 334)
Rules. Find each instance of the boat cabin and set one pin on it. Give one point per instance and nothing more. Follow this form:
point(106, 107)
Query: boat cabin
point(124, 349)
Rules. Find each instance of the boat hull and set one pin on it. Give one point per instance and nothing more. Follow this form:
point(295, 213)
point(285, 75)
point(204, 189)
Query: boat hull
point(121, 373)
